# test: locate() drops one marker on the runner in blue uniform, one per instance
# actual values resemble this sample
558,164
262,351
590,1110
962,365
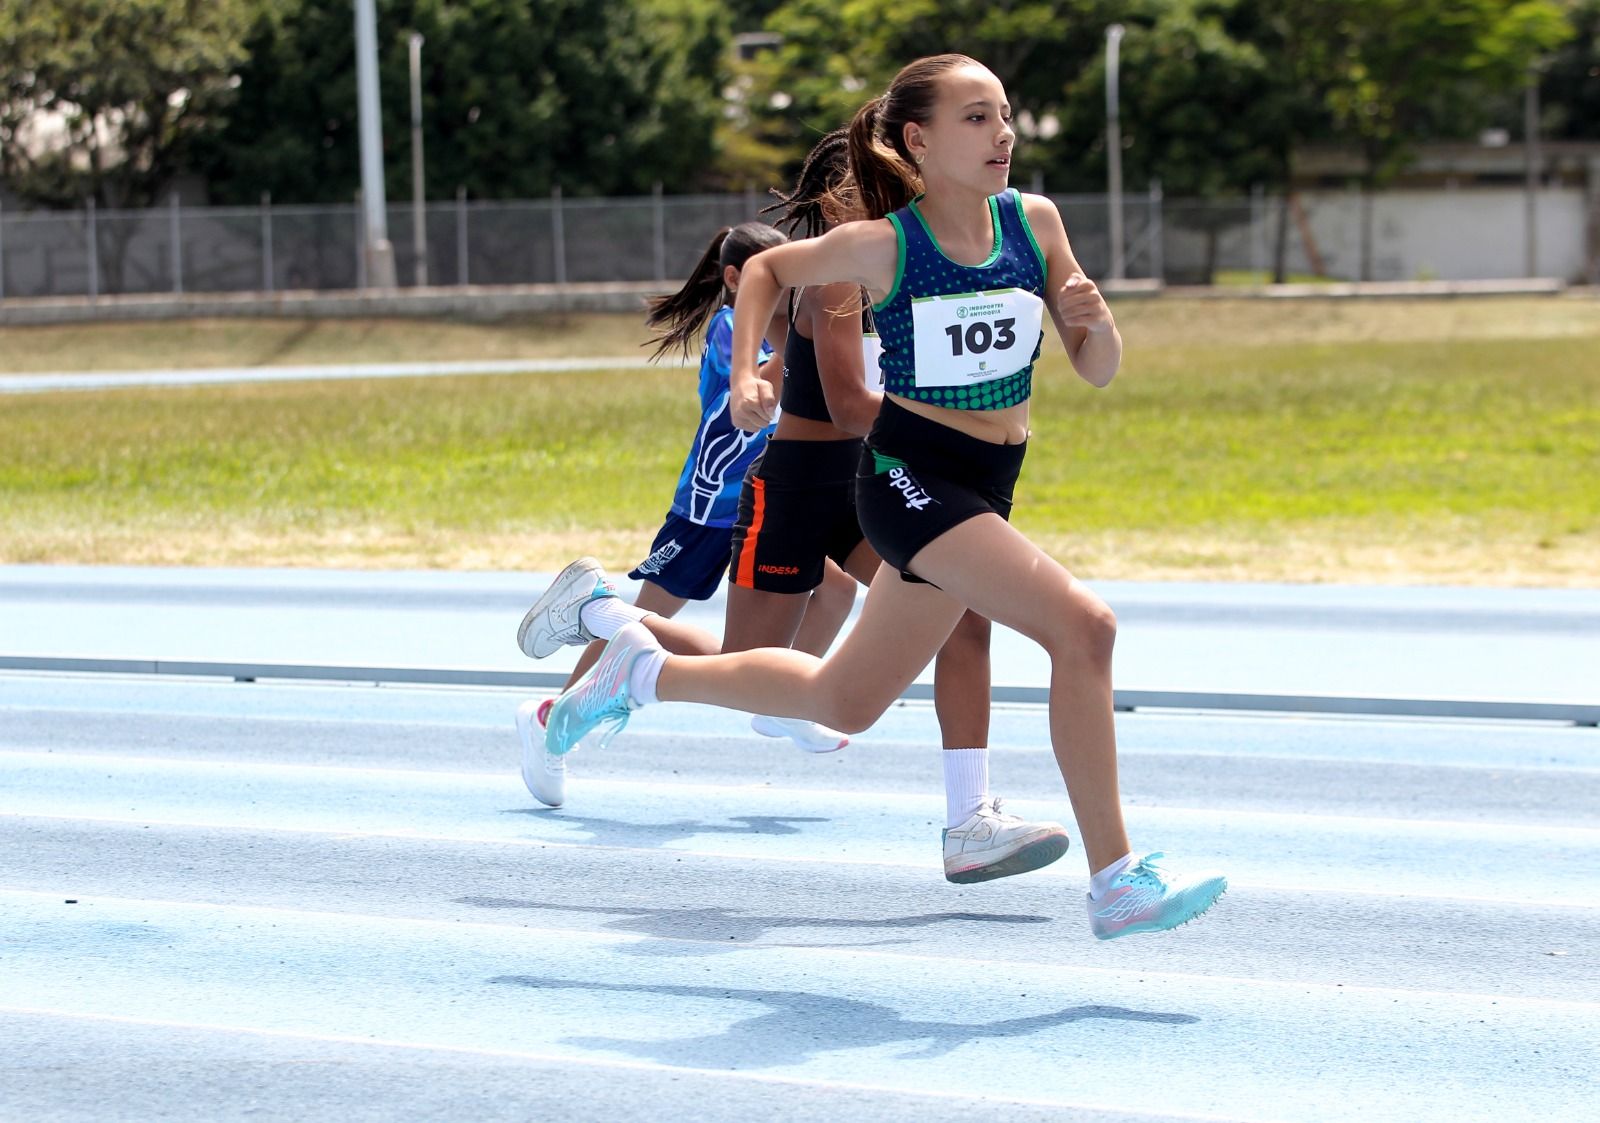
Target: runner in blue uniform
689,557
961,276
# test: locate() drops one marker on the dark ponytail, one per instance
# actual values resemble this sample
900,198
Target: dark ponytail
684,313
823,194
884,168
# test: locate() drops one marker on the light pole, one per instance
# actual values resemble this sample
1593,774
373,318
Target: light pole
1114,150
1530,153
379,253
419,220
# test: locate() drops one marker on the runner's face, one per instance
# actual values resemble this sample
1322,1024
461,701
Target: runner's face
969,140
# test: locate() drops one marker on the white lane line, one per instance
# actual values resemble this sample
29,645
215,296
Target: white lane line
1579,836
567,1060
341,834
827,953
45,381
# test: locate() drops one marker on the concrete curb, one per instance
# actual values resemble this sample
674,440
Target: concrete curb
1574,713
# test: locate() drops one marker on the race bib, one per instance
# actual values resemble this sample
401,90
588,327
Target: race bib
974,337
871,352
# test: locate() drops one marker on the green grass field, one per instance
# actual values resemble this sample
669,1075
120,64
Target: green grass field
1412,441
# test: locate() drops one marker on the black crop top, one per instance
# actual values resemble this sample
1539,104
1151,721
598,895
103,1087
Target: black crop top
802,382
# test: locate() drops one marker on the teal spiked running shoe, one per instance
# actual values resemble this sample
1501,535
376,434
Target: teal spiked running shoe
602,699
555,620
1146,897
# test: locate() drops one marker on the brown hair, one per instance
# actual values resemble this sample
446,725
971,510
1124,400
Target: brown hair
885,172
685,312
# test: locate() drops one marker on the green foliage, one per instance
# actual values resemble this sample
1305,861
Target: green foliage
517,98
835,55
1201,109
1570,90
130,83
1405,63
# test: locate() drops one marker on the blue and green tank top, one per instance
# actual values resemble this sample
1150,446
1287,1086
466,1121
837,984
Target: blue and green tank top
964,336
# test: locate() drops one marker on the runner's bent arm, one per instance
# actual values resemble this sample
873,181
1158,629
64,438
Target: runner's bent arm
862,253
1076,304
841,363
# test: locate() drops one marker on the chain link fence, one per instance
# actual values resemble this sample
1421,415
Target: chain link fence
268,248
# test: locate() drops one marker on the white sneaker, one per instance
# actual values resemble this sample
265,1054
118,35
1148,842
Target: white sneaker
544,772
991,844
810,736
555,620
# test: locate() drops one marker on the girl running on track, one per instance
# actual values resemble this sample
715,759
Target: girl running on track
797,511
689,556
960,277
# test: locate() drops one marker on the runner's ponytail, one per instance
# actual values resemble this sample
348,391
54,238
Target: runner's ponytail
684,313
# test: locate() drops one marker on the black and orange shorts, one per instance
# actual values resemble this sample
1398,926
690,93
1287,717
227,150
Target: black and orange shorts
796,511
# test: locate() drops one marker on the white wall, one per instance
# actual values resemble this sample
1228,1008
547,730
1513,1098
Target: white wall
1447,235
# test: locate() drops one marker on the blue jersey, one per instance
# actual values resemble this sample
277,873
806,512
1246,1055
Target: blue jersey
708,487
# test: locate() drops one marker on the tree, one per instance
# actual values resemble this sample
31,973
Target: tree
1570,87
104,98
837,54
518,97
1202,113
1393,73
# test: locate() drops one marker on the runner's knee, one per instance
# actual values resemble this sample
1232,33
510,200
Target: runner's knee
854,713
1086,629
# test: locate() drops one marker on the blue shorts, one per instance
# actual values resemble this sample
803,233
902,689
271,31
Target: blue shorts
686,559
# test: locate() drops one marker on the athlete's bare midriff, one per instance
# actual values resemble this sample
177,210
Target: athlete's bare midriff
1007,426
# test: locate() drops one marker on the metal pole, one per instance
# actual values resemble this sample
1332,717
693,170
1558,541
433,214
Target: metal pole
660,239
177,247
361,245
1114,150
94,255
380,266
2,251
558,235
1531,159
1158,261
266,241
461,236
419,222
1258,232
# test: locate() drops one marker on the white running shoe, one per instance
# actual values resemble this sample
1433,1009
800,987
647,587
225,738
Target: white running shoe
810,736
556,618
991,844
544,772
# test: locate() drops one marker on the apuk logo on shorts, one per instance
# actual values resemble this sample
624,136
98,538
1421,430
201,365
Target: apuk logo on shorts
916,497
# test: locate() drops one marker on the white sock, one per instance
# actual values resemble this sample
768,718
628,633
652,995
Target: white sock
643,675
966,783
603,616
1100,882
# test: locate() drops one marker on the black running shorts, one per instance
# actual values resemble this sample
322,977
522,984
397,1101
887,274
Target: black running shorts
797,510
917,479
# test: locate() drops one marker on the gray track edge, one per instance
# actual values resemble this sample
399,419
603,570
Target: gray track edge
1574,713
